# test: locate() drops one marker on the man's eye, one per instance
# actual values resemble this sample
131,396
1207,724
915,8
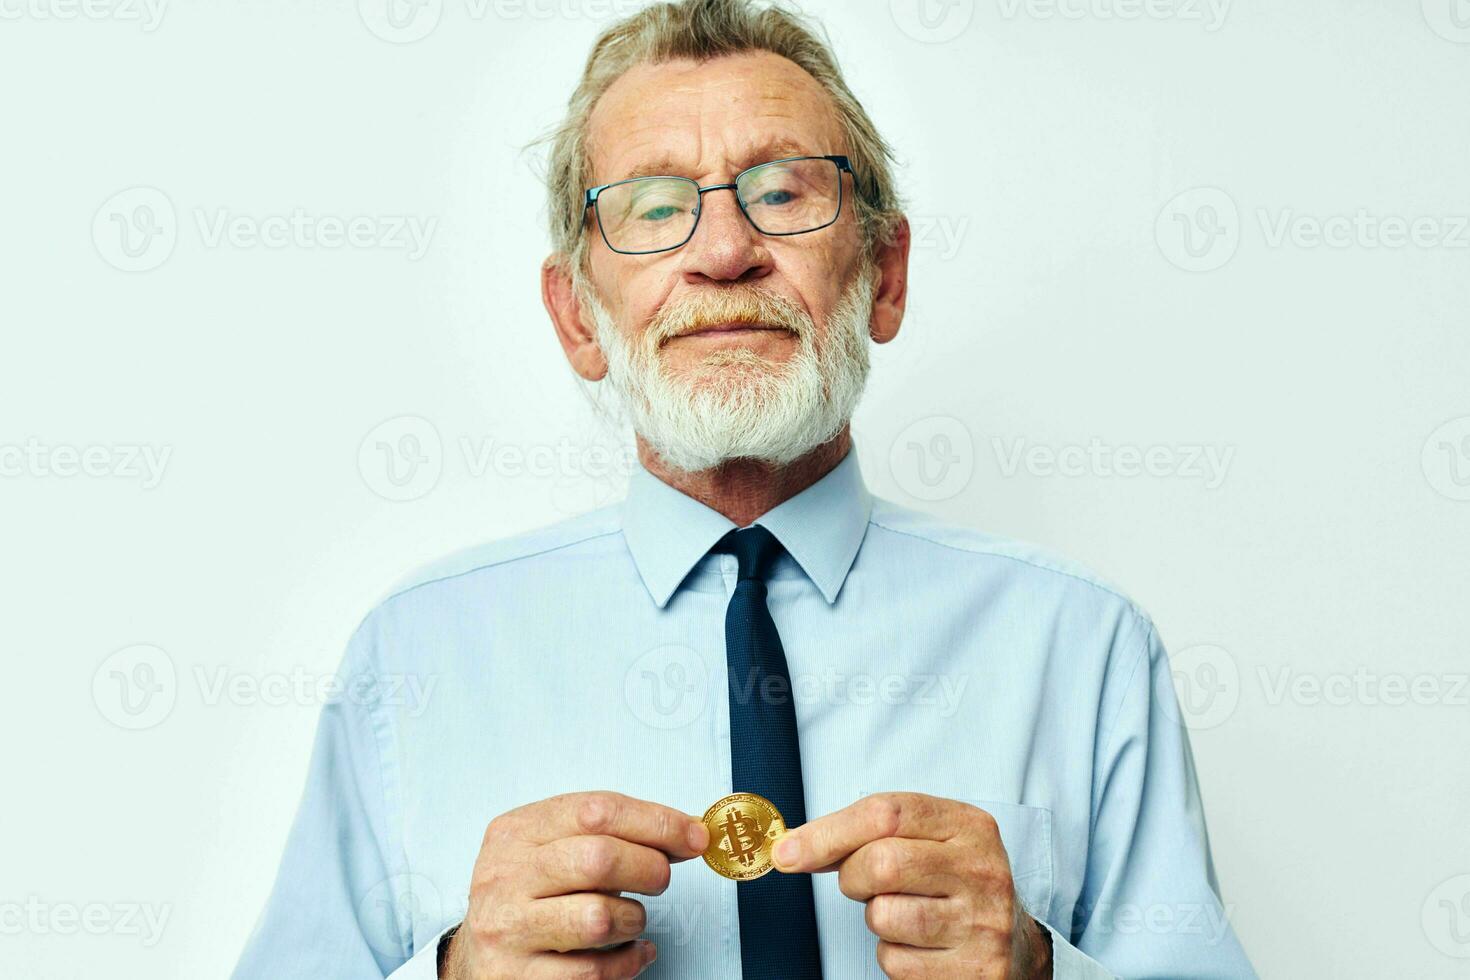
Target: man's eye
662,213
776,198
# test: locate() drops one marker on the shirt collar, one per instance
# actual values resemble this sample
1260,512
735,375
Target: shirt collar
821,528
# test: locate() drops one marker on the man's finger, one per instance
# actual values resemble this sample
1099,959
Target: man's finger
821,844
902,960
675,833
627,960
588,921
598,863
902,866
913,920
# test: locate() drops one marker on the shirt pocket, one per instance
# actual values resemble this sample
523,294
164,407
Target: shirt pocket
1025,832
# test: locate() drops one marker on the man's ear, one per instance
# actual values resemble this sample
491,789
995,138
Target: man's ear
573,324
892,258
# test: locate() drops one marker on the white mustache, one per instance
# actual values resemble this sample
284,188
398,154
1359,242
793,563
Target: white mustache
698,311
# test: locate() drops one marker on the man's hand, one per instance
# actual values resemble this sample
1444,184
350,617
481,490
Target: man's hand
936,881
544,896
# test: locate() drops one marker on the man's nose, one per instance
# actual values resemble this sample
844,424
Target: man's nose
726,247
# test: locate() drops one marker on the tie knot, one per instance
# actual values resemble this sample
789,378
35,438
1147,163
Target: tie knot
754,548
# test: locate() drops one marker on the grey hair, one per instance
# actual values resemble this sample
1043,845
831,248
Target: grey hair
702,30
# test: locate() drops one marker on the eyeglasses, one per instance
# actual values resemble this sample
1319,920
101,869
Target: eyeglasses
791,196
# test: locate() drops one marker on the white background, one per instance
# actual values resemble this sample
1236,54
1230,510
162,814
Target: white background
1055,303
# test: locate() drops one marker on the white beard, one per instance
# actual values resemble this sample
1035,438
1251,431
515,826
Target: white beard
736,404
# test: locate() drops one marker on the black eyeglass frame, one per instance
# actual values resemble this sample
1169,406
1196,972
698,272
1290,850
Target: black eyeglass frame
592,193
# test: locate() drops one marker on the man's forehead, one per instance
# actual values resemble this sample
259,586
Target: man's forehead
686,118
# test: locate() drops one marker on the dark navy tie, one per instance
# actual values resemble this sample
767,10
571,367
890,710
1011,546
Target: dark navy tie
778,920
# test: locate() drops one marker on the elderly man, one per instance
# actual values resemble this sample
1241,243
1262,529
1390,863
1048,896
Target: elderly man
975,745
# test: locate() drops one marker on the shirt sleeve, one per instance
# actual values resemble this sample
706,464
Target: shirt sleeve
424,965
343,903
1150,905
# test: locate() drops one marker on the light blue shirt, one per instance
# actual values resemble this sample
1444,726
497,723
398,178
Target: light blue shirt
590,655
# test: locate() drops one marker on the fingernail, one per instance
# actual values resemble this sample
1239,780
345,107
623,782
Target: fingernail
650,951
786,851
698,836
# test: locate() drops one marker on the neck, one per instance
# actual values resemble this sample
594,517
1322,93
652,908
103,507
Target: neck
744,489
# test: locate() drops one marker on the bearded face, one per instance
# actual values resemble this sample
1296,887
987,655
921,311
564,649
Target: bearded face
741,341
725,399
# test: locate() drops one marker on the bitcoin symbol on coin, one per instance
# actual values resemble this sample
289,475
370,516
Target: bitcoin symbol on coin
740,837
742,827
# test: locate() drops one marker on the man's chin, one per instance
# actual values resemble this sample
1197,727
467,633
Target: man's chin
684,368
726,374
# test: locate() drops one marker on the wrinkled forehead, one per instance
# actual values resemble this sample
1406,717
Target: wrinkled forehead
697,119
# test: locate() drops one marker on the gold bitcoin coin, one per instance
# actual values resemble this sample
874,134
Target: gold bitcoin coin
742,827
